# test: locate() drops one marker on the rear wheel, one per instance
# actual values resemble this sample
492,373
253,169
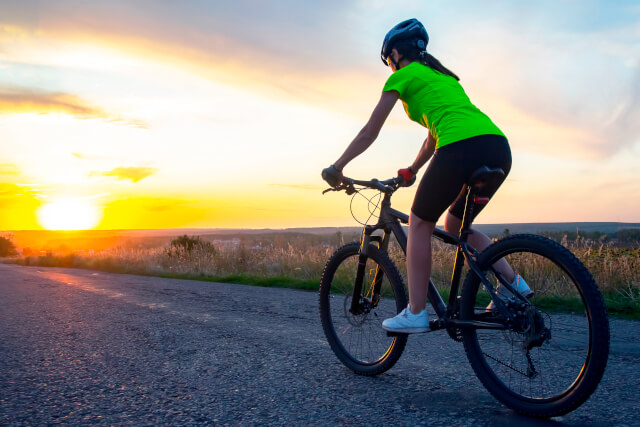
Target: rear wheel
553,355
358,339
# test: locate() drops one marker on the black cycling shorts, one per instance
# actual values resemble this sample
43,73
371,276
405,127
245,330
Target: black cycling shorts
443,183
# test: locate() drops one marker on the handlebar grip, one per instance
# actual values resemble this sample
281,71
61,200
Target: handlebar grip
409,183
332,176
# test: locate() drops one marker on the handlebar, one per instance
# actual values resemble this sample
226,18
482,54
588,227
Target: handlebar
388,186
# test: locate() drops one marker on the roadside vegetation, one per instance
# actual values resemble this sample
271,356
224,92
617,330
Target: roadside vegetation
297,261
7,248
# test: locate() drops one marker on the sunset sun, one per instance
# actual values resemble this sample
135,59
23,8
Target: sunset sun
69,214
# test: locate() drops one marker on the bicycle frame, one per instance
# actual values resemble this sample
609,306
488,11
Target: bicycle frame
390,221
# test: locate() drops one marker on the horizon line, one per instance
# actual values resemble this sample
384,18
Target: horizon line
307,227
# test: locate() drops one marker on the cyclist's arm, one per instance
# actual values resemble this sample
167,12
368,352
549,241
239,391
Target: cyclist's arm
370,131
425,153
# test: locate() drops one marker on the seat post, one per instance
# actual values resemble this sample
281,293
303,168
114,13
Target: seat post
459,260
467,215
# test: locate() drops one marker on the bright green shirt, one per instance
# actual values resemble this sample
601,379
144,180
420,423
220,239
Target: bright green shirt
438,102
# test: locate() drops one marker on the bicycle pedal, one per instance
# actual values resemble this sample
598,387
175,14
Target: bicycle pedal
435,324
397,334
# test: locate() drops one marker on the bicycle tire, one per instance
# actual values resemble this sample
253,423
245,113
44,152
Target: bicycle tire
341,327
578,343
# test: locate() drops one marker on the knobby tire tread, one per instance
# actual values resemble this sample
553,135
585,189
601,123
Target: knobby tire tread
395,279
596,309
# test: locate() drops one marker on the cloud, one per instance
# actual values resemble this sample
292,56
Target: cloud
8,190
290,48
18,100
11,190
135,174
286,30
9,169
297,187
572,87
568,66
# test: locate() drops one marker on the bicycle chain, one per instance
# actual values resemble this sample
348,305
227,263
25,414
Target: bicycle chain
509,366
532,373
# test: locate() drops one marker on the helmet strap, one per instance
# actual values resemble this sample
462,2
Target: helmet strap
395,63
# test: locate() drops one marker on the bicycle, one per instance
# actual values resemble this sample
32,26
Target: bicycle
532,358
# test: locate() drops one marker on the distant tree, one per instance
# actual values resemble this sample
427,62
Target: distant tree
7,248
190,243
185,242
506,232
339,238
629,235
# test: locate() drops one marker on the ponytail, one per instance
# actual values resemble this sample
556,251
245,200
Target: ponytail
412,53
433,63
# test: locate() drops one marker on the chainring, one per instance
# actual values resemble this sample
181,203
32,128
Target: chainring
455,333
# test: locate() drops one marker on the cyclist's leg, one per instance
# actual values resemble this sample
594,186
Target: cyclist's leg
485,150
419,261
479,241
438,188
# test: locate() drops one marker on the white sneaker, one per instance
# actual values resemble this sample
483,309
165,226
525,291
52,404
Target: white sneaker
407,323
519,285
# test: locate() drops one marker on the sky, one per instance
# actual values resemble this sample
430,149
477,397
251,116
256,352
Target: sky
162,114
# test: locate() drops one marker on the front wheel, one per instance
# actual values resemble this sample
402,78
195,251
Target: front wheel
553,353
357,338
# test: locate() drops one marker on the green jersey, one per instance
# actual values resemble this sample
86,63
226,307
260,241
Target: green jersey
438,102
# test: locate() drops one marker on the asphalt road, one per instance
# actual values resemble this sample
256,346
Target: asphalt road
81,347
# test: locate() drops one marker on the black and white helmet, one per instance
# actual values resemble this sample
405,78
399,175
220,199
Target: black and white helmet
411,29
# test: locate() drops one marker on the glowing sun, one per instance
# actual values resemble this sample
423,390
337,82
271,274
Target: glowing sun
69,214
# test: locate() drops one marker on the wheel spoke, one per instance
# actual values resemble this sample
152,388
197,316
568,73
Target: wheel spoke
358,339
542,358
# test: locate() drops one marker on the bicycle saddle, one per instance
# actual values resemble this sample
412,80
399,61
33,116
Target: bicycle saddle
484,176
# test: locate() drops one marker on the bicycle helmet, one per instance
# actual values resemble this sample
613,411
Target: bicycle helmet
409,29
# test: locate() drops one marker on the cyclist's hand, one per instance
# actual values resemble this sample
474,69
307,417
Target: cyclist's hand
332,175
408,178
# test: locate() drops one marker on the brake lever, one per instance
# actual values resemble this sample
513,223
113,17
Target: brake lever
344,186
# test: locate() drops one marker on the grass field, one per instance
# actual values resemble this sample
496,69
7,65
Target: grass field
297,261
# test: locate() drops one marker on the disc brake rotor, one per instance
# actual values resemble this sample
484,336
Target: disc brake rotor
356,319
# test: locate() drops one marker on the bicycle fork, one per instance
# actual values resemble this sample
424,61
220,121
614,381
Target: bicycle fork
357,306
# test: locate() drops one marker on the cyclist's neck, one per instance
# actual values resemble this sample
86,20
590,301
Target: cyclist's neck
403,63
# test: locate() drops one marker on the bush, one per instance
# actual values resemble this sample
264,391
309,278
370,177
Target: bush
629,235
188,244
7,248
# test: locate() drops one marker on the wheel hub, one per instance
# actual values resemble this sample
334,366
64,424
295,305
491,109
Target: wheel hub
362,312
533,327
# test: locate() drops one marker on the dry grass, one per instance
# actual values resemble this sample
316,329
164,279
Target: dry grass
616,270
199,261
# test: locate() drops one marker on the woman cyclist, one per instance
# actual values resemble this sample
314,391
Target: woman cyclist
460,139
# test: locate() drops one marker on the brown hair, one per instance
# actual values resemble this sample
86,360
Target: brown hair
410,52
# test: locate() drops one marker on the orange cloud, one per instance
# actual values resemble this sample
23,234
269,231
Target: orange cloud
135,174
8,190
28,101
9,169
298,186
18,204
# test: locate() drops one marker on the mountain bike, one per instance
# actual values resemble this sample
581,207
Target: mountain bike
542,356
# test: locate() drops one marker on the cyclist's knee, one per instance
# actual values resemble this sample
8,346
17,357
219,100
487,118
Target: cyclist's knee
418,224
